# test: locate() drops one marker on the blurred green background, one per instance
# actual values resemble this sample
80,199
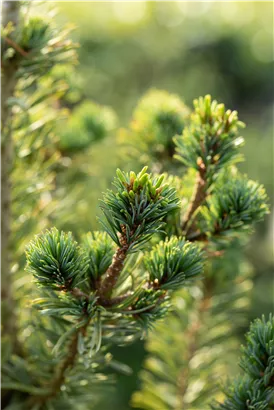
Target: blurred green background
191,49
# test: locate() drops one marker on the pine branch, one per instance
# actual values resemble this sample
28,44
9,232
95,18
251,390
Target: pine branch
11,12
72,275
16,47
132,216
77,293
157,118
209,143
88,123
211,139
199,195
234,207
22,37
255,389
53,389
94,297
56,261
199,330
114,271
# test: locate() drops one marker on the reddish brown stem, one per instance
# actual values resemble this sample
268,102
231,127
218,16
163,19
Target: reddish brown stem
113,271
77,293
198,197
197,236
16,47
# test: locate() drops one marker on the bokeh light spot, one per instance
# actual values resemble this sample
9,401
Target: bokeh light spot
129,13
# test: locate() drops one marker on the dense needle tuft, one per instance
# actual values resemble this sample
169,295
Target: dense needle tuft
254,390
234,207
212,139
173,262
56,260
136,210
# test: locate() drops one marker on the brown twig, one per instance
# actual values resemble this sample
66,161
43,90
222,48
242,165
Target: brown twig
197,236
17,47
198,197
77,293
113,272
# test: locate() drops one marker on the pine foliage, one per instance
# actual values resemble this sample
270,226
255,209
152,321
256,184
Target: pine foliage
31,46
195,333
34,47
212,139
88,123
255,388
157,118
173,262
100,249
235,205
55,260
85,307
218,213
114,286
137,210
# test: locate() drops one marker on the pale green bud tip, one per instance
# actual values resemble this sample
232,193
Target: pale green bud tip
221,109
241,124
160,180
132,175
143,180
195,103
120,175
142,172
208,99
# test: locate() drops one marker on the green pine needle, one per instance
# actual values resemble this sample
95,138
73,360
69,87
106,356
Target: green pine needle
234,207
100,250
212,138
137,209
173,263
56,260
254,390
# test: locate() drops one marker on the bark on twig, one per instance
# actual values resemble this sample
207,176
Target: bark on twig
199,196
113,271
16,47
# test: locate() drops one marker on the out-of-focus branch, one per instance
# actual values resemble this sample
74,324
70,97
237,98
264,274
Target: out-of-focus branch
9,70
